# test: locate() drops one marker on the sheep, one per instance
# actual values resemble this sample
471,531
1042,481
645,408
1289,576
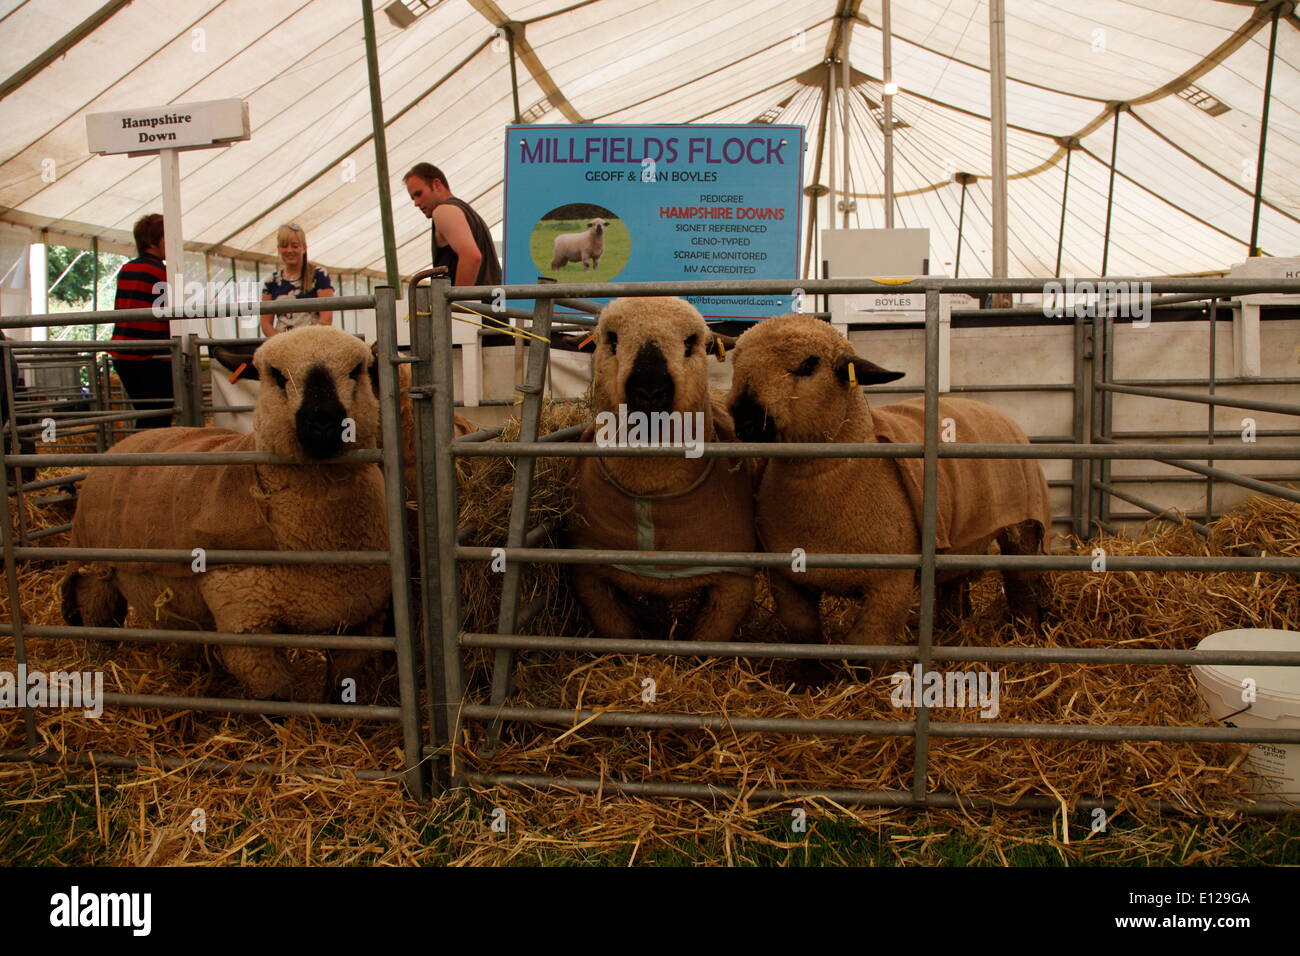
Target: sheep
581,247
651,357
320,401
792,383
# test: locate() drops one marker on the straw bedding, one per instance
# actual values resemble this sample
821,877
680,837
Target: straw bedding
302,818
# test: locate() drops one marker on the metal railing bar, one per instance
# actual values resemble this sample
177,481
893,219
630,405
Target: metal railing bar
212,557
975,287
340,303
1222,433
160,635
918,389
235,705
1176,479
85,419
48,532
1281,408
542,531
46,500
984,730
941,800
564,434
92,459
892,652
51,482
944,562
1069,310
1172,382
1134,452
1169,514
97,758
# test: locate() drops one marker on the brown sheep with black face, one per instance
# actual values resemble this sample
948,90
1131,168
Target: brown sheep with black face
319,401
796,380
651,357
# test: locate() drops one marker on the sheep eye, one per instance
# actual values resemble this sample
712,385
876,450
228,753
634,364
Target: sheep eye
691,342
808,366
611,339
279,378
356,372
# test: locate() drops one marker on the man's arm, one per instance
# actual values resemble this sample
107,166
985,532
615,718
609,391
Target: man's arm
453,225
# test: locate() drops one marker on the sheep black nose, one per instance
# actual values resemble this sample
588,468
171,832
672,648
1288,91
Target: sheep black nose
650,387
753,423
319,420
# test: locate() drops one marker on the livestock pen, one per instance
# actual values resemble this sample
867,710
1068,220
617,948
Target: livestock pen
1092,450
429,746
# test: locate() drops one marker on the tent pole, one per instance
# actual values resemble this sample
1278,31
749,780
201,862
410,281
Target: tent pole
965,179
1110,191
94,273
832,116
848,204
886,39
514,75
1065,191
1263,136
998,116
381,146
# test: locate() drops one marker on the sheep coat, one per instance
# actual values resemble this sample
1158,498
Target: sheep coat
977,496
717,507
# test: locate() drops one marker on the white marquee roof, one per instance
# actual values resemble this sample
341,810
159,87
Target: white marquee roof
1183,191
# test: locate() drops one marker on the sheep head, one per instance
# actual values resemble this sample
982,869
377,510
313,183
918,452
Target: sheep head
597,226
320,390
651,355
792,381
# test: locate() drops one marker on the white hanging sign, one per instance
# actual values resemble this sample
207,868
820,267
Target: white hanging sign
178,126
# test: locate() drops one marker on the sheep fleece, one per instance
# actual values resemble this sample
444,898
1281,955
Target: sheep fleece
978,497
222,507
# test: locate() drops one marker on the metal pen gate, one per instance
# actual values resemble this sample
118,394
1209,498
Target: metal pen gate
441,638
188,409
1090,488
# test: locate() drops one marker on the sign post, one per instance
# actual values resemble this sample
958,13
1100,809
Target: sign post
167,131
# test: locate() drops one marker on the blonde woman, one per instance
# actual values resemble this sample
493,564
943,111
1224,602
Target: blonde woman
288,281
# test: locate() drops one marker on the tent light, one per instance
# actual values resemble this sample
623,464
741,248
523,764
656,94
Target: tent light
1203,100
403,13
891,89
536,111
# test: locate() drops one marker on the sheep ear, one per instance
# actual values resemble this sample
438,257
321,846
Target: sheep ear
232,359
374,368
866,373
720,345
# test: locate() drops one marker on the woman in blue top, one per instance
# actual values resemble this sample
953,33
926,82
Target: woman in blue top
288,281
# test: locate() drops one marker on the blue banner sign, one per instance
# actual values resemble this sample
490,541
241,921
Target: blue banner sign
656,204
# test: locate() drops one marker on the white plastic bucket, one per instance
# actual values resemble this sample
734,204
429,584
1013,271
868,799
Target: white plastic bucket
1276,704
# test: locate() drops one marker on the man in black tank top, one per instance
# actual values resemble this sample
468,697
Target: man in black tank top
461,240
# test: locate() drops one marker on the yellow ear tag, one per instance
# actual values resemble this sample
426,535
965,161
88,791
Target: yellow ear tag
722,350
853,376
